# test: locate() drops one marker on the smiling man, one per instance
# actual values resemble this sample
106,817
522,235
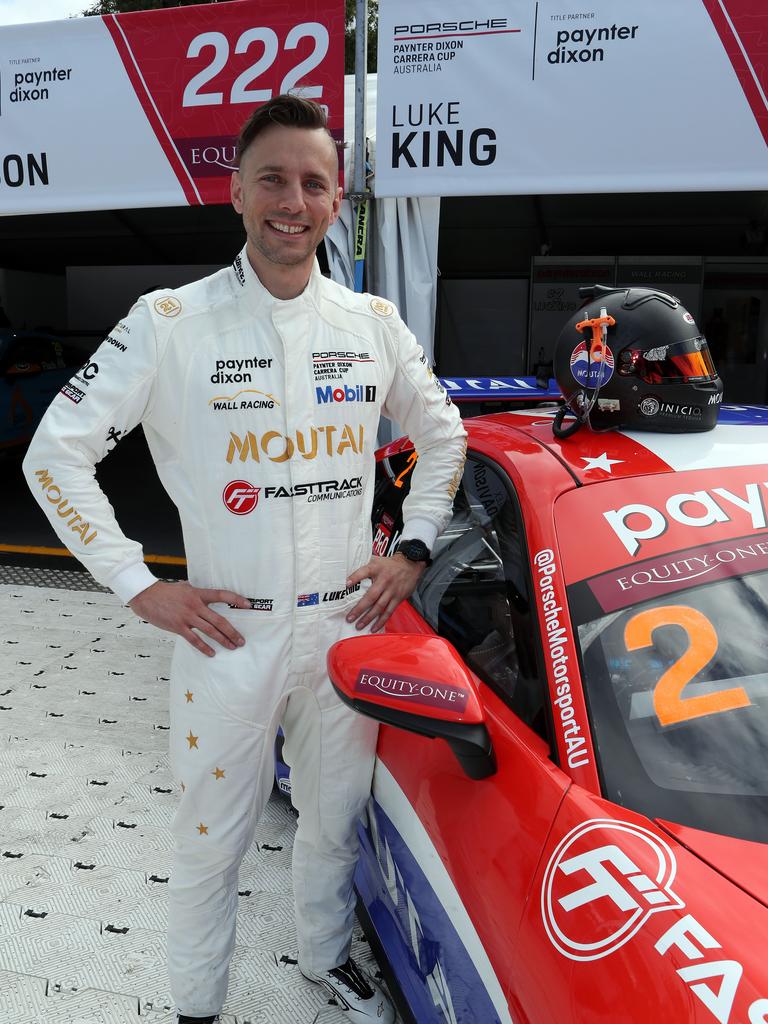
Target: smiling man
286,189
273,475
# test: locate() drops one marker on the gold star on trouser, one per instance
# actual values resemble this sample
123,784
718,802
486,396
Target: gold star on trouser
218,772
202,829
188,695
192,740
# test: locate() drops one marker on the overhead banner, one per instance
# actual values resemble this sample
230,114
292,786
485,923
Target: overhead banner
143,109
519,96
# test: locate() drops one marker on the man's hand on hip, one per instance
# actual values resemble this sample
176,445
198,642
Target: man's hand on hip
394,580
181,608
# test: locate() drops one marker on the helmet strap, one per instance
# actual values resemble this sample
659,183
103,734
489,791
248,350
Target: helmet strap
557,423
596,352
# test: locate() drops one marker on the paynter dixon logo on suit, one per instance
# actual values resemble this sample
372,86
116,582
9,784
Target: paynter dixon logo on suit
331,440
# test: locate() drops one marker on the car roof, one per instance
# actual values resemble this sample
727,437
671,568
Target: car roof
739,439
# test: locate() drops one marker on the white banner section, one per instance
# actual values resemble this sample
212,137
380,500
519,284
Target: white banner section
518,96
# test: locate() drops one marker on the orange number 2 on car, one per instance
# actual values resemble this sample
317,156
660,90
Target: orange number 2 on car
668,703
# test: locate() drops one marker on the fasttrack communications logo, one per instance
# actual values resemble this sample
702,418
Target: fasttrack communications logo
240,497
602,883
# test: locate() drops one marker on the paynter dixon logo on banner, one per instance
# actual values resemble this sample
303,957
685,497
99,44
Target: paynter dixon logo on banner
34,86
26,83
584,41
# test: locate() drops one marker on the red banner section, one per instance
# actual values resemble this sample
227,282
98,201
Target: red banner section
743,29
199,72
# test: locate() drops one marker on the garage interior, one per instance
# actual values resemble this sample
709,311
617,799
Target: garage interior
487,246
508,267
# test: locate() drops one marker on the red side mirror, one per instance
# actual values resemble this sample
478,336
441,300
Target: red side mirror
418,683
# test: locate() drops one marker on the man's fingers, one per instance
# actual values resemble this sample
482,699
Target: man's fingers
372,610
363,573
364,604
218,628
223,597
196,642
230,597
382,619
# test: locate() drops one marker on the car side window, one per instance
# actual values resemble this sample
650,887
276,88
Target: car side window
477,592
393,482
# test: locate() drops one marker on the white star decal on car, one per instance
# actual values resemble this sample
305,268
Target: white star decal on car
600,462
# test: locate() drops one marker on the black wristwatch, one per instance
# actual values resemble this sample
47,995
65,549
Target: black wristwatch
414,551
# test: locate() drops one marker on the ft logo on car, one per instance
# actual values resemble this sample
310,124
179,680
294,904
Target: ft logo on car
601,885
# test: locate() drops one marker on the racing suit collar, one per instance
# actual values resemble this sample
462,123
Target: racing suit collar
257,295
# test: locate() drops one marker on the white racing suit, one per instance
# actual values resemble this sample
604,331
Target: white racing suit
261,416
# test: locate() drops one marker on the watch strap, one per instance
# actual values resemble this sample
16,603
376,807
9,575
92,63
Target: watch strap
414,550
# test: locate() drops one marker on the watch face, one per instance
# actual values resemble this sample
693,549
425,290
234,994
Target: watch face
415,550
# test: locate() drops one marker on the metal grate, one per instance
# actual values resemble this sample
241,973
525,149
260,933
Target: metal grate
86,796
60,579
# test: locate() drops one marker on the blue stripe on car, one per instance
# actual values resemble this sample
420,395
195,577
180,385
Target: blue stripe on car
436,974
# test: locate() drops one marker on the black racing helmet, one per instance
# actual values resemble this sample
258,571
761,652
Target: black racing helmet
633,358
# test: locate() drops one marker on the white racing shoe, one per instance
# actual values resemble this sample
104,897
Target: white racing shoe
357,994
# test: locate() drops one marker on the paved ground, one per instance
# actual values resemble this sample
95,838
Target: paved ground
85,800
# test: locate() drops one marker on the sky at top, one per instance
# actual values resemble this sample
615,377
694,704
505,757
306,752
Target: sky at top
20,12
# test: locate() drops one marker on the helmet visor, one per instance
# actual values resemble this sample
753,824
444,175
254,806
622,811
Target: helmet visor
688,361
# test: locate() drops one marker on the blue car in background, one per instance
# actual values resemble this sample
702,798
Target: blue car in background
33,367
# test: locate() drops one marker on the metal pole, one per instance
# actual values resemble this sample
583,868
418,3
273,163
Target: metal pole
361,71
359,193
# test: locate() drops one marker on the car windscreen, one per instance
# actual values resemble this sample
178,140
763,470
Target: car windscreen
674,657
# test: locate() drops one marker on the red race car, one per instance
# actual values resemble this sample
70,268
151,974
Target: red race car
570,807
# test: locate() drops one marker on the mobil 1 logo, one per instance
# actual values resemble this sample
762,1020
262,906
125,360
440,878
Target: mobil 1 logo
328,394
